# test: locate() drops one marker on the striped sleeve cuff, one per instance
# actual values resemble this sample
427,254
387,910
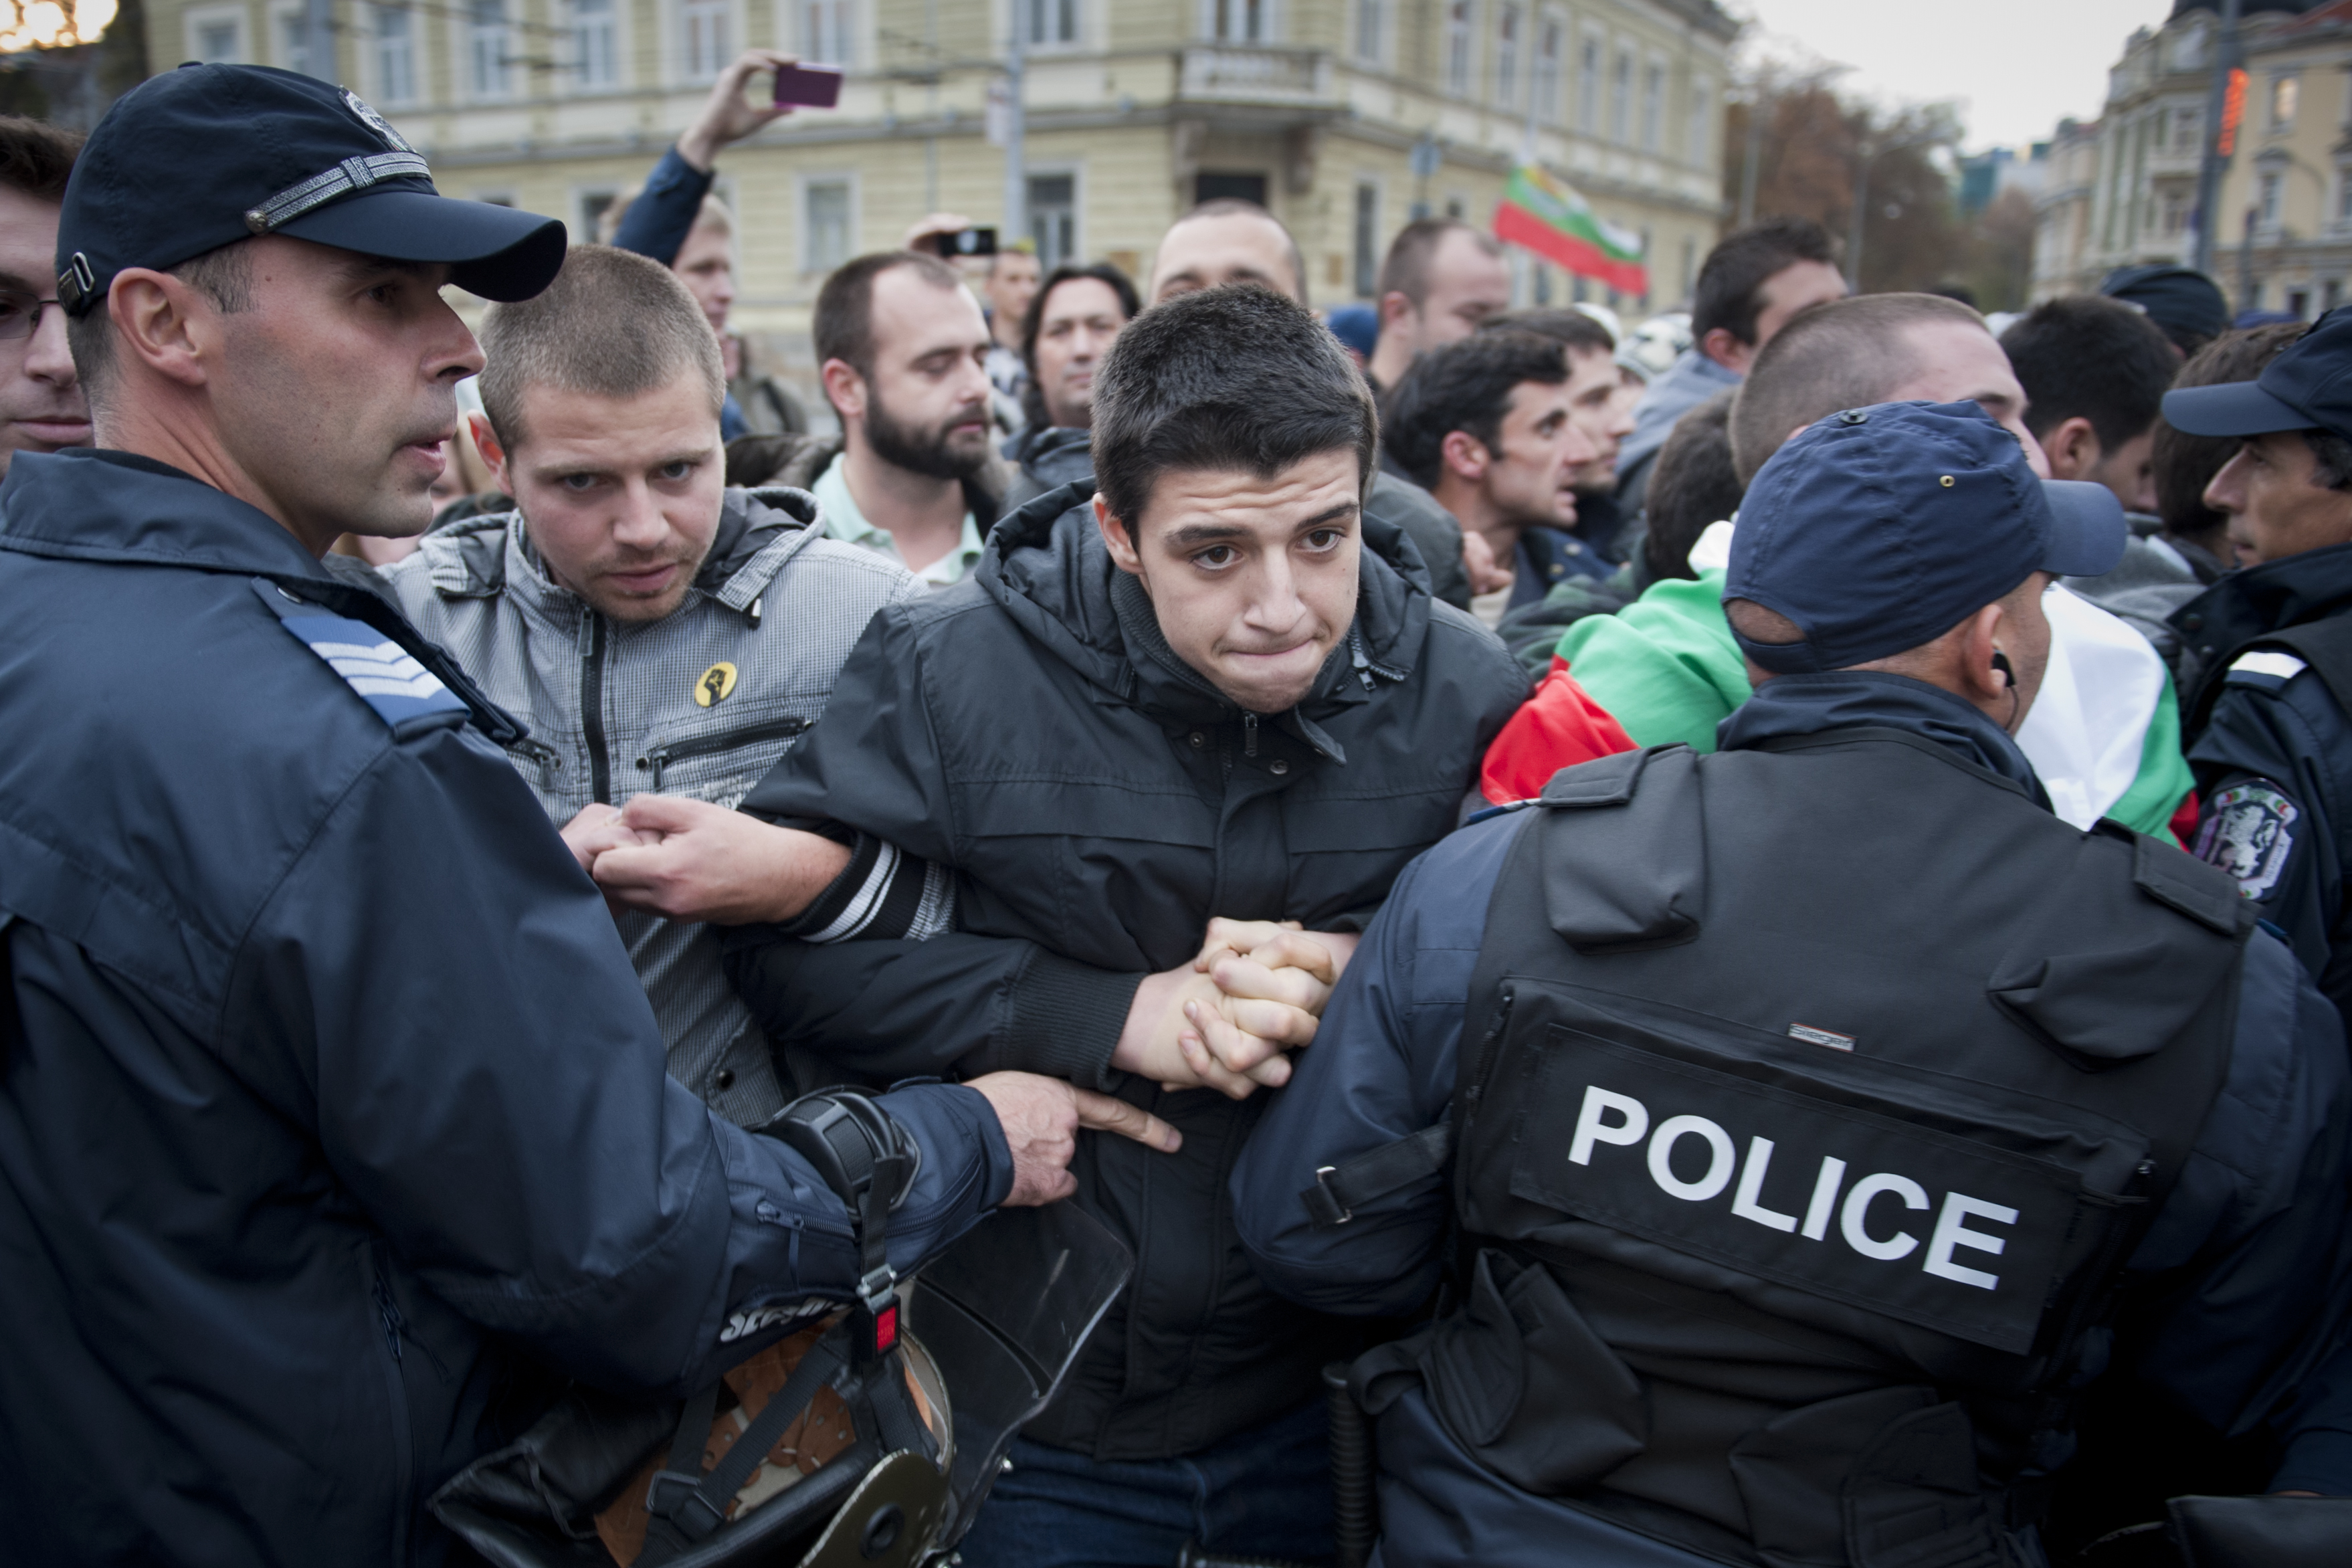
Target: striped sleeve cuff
883,893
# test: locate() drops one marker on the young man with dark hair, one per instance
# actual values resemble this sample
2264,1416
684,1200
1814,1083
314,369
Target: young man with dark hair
1210,688
2271,679
1497,427
1439,279
2106,741
1754,282
41,405
1073,317
2094,371
665,638
902,352
1607,421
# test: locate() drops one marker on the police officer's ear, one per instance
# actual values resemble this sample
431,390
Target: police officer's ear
2008,671
163,324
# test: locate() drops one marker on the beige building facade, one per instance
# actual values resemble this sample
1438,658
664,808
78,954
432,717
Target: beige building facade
1345,117
2282,228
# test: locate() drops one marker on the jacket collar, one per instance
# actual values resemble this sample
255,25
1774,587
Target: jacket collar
2271,598
94,505
1788,706
1047,566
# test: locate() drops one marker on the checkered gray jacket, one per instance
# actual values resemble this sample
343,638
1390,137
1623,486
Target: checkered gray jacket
699,703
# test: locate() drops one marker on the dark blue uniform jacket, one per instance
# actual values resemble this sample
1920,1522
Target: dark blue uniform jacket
2252,1234
337,1132
2274,760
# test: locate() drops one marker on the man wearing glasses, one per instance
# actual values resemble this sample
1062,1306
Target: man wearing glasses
41,407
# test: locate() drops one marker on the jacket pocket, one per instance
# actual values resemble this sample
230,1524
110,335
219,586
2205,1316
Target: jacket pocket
1522,1382
388,1325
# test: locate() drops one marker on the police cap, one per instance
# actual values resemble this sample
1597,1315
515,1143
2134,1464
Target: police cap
2308,388
1878,530
197,158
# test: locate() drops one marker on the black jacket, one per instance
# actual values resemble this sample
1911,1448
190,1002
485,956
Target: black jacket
1099,803
1045,457
336,1133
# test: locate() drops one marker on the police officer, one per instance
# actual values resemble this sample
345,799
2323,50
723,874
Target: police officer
333,1131
2266,714
1810,1099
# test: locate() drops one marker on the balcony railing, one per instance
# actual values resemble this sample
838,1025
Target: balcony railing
1241,74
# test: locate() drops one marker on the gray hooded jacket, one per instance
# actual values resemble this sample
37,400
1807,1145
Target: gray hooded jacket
700,703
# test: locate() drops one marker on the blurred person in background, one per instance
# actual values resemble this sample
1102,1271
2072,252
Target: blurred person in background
2094,371
1753,283
1358,328
675,220
913,475
1600,524
769,406
1073,317
41,405
2186,306
1233,241
1009,288
1440,278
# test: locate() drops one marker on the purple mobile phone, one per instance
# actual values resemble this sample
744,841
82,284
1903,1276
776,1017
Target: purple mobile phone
813,86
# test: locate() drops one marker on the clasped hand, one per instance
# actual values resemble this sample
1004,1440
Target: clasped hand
690,860
1224,1021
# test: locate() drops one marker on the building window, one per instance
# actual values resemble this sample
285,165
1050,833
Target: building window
1368,238
1542,284
1370,23
1654,109
1050,22
1690,266
824,224
2344,194
824,32
1702,123
588,217
2267,201
2173,212
2331,294
1621,101
705,49
2284,92
1545,80
595,44
1239,21
2187,125
1457,46
1507,55
487,47
1054,218
396,53
294,40
216,37
1588,87
2298,301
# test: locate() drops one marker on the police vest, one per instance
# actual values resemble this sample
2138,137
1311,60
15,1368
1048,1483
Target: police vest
1812,1099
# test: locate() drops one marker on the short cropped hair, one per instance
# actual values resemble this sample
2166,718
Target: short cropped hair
2085,356
1730,292
1235,378
1405,270
1033,396
1693,483
2182,465
1235,207
222,275
844,324
37,158
613,324
1848,354
1574,329
1465,386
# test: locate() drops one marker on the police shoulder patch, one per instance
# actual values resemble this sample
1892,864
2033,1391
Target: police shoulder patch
384,673
2248,830
2267,668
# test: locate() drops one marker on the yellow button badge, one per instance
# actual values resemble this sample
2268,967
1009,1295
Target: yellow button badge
715,684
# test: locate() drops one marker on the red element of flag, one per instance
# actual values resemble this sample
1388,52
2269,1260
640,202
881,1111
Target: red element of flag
1517,226
1557,728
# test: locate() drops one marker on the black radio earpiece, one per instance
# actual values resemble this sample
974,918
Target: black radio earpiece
2000,663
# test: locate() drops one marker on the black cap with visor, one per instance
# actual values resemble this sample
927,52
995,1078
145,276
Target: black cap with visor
2307,387
209,154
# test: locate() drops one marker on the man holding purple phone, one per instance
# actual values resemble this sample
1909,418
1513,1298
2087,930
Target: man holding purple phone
677,221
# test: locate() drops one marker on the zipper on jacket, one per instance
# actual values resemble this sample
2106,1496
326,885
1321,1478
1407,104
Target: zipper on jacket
592,712
546,756
1465,1116
1249,733
660,757
387,1313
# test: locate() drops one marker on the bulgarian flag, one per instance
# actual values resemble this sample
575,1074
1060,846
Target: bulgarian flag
1552,219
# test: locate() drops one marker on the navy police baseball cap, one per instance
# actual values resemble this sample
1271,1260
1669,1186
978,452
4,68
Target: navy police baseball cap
2307,387
1880,529
197,158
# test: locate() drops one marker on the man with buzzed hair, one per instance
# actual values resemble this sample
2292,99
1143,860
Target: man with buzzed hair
665,638
1440,279
41,407
1227,241
2105,737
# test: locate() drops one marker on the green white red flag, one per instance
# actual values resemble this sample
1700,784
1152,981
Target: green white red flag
1547,217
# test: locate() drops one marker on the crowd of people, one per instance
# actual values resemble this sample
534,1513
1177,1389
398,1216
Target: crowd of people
1741,952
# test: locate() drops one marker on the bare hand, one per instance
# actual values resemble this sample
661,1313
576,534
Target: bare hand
1041,1118
726,117
597,829
702,862
936,223
1487,574
1184,1033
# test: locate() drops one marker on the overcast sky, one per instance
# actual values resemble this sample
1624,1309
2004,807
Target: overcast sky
2016,67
